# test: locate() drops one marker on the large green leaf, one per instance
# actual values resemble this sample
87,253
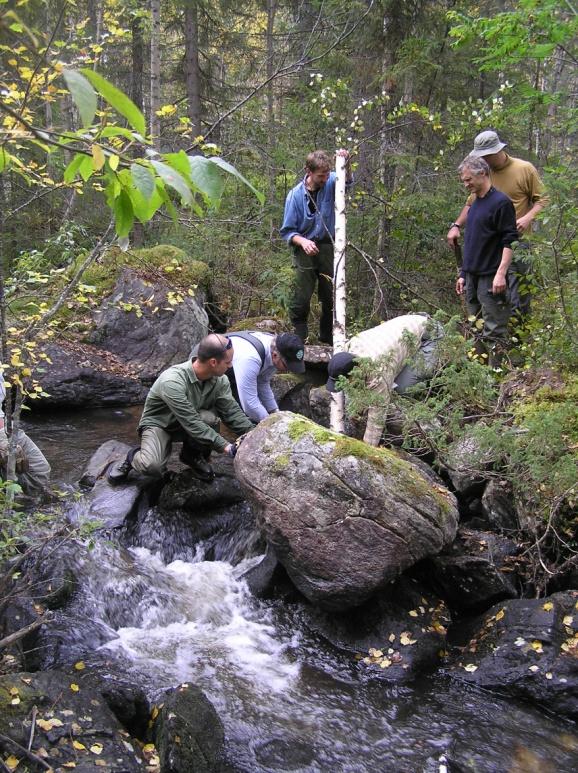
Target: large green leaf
123,214
72,169
82,94
207,177
231,170
144,208
174,179
115,98
85,168
143,179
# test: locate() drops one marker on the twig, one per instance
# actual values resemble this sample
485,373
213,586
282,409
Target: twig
31,756
7,641
33,726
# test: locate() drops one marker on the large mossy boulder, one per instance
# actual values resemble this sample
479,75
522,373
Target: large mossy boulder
344,518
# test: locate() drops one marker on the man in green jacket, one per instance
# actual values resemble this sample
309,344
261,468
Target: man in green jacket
185,404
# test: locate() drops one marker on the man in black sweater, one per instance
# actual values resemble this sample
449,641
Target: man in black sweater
490,232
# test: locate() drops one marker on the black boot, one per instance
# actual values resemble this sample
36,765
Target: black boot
118,471
197,461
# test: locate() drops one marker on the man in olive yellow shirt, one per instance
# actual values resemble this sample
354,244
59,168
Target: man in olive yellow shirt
520,181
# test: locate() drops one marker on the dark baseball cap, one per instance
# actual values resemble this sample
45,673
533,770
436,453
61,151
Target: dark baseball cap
292,349
341,364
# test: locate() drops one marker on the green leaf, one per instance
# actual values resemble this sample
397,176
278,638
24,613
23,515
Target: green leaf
207,178
72,168
231,170
143,179
123,214
5,159
82,94
115,98
174,179
143,208
85,168
180,162
117,131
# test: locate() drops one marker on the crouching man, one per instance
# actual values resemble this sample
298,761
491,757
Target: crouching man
389,346
186,404
32,469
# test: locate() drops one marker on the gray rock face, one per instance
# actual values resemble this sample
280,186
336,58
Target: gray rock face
475,571
157,339
527,648
343,518
73,726
82,376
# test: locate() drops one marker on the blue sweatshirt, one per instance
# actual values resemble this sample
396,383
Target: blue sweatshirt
300,221
490,226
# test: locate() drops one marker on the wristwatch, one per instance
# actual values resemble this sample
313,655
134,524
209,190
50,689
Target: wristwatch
455,225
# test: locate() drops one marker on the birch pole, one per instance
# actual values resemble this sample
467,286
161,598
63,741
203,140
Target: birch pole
339,287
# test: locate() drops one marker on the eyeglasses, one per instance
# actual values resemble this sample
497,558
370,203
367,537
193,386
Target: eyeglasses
227,346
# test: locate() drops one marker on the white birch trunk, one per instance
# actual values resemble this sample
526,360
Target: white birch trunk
339,289
155,96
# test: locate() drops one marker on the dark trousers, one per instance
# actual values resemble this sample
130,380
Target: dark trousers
311,270
520,280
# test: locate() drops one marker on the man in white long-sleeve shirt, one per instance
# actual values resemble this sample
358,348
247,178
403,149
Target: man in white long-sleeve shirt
389,345
258,356
32,469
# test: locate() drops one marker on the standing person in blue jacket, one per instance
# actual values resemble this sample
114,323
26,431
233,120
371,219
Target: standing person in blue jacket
309,228
490,232
258,356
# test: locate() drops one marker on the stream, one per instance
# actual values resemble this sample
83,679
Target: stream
288,702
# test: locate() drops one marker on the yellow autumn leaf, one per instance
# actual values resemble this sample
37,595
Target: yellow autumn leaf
13,691
97,157
154,712
548,675
26,372
80,665
69,764
537,646
15,701
113,162
471,668
568,620
385,663
74,687
96,748
548,606
78,745
412,613
392,637
500,614
12,762
48,724
405,638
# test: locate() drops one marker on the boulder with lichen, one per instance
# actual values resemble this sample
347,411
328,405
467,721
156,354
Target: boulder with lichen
344,518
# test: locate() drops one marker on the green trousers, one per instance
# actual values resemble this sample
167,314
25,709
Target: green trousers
311,270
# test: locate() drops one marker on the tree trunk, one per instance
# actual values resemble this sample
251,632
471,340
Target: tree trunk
192,69
155,101
339,288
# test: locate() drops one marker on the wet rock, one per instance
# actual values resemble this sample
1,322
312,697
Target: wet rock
111,450
475,571
343,518
527,648
81,376
268,578
73,727
157,339
188,733
284,753
186,492
499,506
396,635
